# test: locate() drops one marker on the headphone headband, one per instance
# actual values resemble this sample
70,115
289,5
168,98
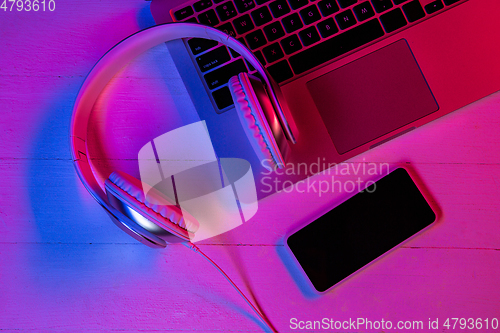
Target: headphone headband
115,59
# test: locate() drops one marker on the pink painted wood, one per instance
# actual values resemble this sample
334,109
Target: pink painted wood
65,267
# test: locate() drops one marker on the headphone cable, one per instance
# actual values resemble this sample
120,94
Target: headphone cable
259,314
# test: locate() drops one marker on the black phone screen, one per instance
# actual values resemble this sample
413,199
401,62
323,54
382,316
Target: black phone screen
361,229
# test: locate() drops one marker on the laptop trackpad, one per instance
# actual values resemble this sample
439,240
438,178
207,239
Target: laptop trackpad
372,96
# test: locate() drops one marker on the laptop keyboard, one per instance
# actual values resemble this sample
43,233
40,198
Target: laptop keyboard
291,37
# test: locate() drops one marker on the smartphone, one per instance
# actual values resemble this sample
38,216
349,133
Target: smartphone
361,229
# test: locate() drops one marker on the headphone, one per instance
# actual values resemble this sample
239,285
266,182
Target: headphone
259,103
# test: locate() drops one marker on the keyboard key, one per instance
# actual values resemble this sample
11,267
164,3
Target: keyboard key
255,39
218,1
261,16
327,27
309,36
450,2
434,6
292,23
198,45
208,18
260,2
222,98
213,58
279,8
220,76
413,11
336,46
398,2
260,56
235,54
183,13
244,5
364,11
273,52
280,71
345,19
191,19
202,4
227,28
291,44
310,14
274,31
243,24
382,5
347,3
393,20
328,7
226,11
296,4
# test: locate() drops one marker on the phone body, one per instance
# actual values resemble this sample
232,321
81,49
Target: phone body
361,229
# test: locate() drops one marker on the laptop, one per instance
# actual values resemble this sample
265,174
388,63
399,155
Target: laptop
355,73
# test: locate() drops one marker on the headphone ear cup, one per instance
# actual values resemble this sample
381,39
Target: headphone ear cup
152,211
254,110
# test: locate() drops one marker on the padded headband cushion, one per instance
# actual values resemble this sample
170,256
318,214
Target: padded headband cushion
156,206
253,119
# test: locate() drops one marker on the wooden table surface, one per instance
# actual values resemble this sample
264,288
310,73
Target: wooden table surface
65,267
